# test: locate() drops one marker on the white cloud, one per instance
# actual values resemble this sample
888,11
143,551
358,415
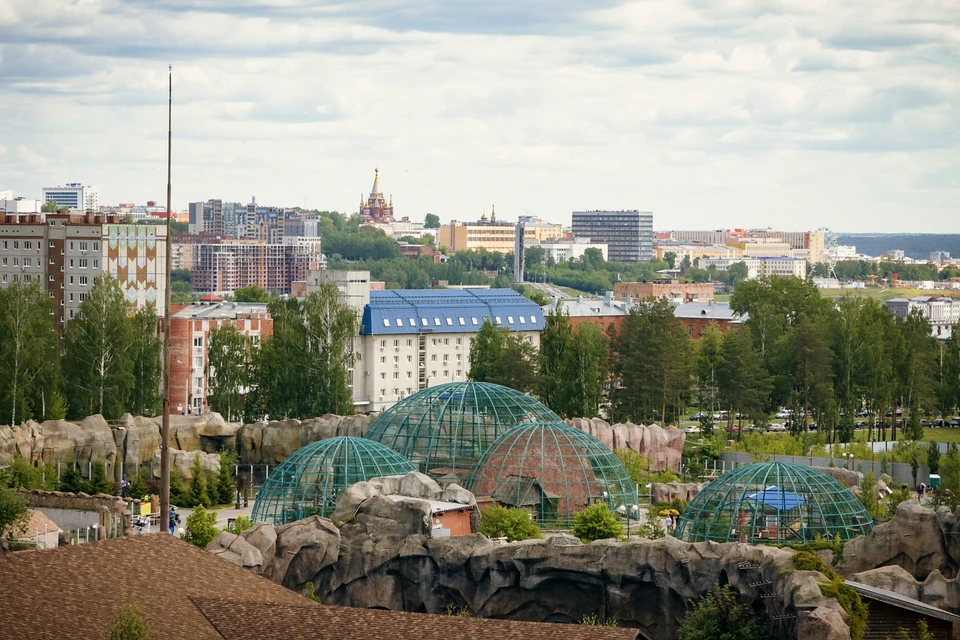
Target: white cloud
710,114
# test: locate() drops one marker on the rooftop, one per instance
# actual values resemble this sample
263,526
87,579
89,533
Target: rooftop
222,310
448,311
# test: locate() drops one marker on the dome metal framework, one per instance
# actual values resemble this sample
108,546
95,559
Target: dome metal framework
308,482
773,503
554,471
444,430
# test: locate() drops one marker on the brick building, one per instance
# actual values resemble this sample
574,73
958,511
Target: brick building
223,265
190,328
672,290
66,252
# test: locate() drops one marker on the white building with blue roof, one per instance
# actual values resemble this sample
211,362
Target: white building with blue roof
412,339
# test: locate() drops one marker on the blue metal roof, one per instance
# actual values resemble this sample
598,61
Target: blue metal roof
448,311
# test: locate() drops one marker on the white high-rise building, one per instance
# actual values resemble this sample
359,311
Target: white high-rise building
77,197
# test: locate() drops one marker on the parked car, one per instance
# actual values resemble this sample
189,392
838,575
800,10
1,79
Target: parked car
812,426
699,415
955,422
692,430
784,413
776,428
939,422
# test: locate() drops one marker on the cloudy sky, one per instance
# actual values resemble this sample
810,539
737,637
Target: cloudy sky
794,114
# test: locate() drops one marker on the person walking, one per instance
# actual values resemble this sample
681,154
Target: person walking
174,518
920,491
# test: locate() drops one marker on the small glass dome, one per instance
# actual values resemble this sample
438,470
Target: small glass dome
554,471
309,481
445,429
773,503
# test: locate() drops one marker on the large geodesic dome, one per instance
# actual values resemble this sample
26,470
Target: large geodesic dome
309,481
773,503
554,471
444,430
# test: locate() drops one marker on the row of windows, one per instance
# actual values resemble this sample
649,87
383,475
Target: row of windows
433,358
460,320
436,341
433,374
28,244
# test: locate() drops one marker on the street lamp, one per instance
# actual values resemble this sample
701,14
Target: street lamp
850,456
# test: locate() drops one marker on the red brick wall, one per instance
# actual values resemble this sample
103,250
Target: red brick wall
458,522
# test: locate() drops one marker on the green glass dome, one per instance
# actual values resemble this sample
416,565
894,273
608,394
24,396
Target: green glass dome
773,503
554,471
309,481
444,430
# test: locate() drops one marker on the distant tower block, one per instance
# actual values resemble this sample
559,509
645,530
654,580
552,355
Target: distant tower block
376,208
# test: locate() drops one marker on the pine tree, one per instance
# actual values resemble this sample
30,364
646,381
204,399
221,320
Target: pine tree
145,352
99,483
226,490
198,484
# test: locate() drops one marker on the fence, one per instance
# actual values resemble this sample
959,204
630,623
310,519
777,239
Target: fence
901,472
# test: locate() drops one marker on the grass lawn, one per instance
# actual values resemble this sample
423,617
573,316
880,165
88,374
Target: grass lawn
942,435
883,293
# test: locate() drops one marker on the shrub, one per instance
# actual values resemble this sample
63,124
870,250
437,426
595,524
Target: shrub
868,495
129,625
652,529
14,516
99,483
198,495
597,522
72,481
719,615
241,524
834,587
593,621
226,489
201,527
513,524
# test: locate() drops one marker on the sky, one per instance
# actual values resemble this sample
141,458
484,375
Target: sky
797,114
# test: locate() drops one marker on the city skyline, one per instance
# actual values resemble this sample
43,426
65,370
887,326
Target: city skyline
747,115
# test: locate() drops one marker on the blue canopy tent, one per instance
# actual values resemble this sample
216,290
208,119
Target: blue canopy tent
777,498
770,526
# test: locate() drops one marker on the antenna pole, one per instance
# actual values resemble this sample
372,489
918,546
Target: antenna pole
165,420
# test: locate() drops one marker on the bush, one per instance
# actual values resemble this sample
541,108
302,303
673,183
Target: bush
593,621
201,527
834,587
99,483
513,524
13,513
129,625
597,522
241,524
719,615
72,481
226,489
198,495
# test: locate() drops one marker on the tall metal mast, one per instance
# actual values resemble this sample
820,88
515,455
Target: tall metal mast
165,426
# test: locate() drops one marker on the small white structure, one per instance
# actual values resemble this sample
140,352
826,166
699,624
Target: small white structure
42,530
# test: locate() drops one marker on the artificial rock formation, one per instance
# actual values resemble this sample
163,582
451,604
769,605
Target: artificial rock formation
664,447
182,462
272,442
382,555
669,491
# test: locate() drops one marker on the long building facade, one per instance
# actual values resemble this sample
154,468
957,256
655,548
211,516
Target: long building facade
414,339
66,252
627,234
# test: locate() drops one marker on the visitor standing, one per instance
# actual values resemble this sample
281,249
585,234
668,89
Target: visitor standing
920,491
174,519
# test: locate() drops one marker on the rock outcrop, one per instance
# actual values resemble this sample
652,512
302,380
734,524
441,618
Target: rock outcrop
271,442
669,491
382,556
846,477
182,461
664,447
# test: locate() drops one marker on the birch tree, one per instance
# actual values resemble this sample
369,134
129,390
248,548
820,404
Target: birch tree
29,352
97,359
146,364
228,370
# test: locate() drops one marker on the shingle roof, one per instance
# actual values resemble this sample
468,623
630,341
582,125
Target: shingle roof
448,311
76,591
277,621
184,592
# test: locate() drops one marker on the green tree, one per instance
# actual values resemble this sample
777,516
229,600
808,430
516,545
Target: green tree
50,206
199,496
431,221
597,522
709,358
14,515
868,495
918,376
228,370
813,374
654,362
30,353
201,527
736,273
671,259
533,257
485,352
129,625
742,381
146,364
513,524
933,457
501,358
72,481
99,483
948,373
226,490
253,293
719,615
97,363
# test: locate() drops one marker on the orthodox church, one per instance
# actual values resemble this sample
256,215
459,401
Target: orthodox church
376,208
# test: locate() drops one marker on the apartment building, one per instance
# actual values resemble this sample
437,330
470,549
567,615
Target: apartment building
223,265
940,311
672,290
190,328
694,252
627,234
563,250
66,252
414,339
759,267
495,236
76,197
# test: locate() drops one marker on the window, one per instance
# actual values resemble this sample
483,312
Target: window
71,279
96,246
409,375
433,358
96,264
71,297
462,322
409,358
533,319
396,359
4,262
51,279
601,326
71,263
50,262
496,319
510,319
198,362
83,281
459,357
459,340
198,383
16,261
690,329
71,246
197,403
446,341
399,323
4,244
424,322
409,343
198,341
523,320
16,244
27,277
446,358
383,359
386,323
83,297
27,244
396,374
383,343
396,343
84,246
413,323
50,245
383,375
458,373
71,314
383,392
433,374
449,322
434,341
446,373
436,322
474,321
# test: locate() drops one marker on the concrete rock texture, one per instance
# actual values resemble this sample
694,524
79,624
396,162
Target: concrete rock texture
271,442
382,556
664,447
668,491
